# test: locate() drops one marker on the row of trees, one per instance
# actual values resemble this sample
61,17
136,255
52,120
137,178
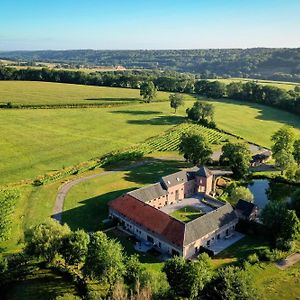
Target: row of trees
94,258
151,81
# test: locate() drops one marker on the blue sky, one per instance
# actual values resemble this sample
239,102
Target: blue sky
152,24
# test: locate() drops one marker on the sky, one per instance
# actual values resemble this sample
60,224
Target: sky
148,24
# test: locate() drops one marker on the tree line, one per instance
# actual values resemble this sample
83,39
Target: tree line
261,63
99,266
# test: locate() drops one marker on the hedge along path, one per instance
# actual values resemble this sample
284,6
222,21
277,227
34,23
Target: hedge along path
64,189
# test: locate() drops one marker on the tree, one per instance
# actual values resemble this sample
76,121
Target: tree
283,140
238,157
283,223
296,151
148,91
241,192
74,247
195,148
231,283
187,279
295,202
234,90
45,240
284,160
104,259
135,271
176,100
297,89
201,112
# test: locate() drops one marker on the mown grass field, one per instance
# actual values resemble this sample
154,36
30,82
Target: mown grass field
34,142
280,84
47,93
186,214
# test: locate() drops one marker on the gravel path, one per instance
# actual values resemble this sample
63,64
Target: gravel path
64,189
289,261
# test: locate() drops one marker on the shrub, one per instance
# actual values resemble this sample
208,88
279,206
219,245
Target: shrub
271,255
285,245
253,258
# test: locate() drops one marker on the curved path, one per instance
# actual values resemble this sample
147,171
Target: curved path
64,189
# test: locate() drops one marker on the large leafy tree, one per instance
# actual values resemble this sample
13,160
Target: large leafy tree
176,100
187,279
283,140
283,223
238,157
148,91
201,112
45,240
105,260
195,148
74,247
231,283
285,161
296,151
295,202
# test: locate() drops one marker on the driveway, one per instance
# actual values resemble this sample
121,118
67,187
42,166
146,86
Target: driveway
64,189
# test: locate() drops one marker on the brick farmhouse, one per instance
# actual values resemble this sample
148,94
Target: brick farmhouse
145,213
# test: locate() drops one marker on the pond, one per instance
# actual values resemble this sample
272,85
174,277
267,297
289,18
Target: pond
265,190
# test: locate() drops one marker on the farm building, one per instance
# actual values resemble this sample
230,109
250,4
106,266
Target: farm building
246,210
261,158
147,213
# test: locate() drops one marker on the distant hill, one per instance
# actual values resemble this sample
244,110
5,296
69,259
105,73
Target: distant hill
265,63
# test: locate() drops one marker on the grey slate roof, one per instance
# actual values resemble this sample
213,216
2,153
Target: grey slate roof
204,172
149,192
209,222
176,178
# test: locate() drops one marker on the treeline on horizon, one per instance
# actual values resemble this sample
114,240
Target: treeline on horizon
260,63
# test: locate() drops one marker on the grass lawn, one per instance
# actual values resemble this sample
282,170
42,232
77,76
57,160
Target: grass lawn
90,198
35,92
43,284
254,122
187,214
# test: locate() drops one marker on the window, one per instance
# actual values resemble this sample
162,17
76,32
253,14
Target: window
208,243
150,239
159,244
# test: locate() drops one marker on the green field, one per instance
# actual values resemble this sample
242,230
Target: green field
280,84
186,214
34,142
47,93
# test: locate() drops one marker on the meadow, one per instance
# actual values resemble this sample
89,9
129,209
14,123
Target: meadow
50,93
37,141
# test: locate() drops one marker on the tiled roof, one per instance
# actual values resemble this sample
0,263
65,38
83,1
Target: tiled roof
208,223
150,218
149,192
177,178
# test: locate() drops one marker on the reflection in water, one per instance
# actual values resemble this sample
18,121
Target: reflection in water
265,190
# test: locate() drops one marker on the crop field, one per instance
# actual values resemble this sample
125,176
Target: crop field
47,93
169,141
280,84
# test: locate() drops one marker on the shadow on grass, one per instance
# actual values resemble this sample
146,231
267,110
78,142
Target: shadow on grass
154,170
90,213
136,112
267,113
161,120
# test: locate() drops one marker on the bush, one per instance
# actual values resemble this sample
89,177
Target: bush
271,255
253,258
284,245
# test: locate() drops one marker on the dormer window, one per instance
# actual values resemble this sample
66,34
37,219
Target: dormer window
168,182
178,179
